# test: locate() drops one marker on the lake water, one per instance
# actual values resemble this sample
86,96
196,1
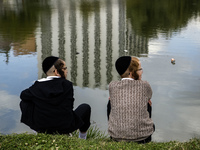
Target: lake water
90,35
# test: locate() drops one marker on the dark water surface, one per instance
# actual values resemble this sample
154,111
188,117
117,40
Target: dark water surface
90,35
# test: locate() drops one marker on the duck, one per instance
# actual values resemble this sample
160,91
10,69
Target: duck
172,60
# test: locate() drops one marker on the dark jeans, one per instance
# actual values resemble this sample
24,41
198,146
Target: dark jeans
149,109
84,112
27,113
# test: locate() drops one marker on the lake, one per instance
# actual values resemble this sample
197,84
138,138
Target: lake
90,35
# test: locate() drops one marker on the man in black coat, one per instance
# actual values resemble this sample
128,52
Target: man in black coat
47,106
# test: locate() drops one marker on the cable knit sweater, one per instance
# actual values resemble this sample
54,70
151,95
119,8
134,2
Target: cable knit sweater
129,118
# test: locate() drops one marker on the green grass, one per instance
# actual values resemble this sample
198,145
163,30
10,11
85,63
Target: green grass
96,140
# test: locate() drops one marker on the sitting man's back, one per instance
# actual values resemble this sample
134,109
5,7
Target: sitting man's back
47,106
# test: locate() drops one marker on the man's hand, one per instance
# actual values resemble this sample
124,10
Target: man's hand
150,103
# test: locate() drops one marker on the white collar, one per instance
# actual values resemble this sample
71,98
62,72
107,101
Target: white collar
48,78
127,79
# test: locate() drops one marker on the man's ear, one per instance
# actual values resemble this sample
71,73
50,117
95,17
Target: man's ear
56,72
130,75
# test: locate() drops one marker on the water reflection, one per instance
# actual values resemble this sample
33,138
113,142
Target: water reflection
122,27
46,34
90,43
73,46
85,10
97,32
18,21
148,18
64,31
61,36
90,35
8,110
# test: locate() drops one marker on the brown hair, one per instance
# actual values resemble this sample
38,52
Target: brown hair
59,66
133,67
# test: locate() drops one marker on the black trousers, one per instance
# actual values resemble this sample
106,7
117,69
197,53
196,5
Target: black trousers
149,109
84,112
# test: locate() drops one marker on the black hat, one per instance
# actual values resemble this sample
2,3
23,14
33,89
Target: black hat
122,64
48,62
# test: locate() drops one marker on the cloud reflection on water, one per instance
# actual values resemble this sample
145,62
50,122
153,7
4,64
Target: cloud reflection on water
10,114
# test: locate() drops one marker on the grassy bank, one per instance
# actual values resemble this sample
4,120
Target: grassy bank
95,140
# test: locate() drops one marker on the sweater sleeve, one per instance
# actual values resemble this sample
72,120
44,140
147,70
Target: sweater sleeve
149,90
69,93
72,96
26,95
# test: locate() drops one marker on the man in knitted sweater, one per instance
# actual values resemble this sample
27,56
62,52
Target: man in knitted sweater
129,107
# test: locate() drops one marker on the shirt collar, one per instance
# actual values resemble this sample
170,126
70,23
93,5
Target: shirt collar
127,79
48,78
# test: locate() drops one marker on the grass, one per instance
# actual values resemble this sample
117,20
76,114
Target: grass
96,140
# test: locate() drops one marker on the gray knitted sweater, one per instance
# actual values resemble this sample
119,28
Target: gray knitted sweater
129,118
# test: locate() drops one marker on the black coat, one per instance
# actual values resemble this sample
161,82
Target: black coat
48,107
